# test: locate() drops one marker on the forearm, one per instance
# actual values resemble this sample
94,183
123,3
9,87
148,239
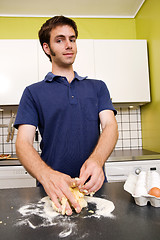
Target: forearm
56,184
30,159
106,143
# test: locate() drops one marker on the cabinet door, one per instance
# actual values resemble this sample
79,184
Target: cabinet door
44,64
123,66
18,69
84,63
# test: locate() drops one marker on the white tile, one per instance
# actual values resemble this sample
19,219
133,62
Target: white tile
134,134
1,139
120,135
125,126
5,131
120,126
133,118
125,118
7,148
1,149
126,143
133,126
134,142
14,148
126,135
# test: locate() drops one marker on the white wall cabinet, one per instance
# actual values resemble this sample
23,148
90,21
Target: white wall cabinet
18,68
44,64
123,66
84,64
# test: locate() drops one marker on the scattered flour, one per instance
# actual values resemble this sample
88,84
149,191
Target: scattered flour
103,207
41,214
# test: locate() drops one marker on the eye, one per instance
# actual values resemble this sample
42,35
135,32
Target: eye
72,40
59,40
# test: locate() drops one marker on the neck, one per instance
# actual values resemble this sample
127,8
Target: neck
65,72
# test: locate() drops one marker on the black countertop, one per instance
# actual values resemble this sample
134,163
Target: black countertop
133,155
128,220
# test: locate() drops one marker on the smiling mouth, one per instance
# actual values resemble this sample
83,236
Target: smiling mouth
68,54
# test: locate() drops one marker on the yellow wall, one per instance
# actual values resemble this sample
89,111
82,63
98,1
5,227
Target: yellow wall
27,28
148,27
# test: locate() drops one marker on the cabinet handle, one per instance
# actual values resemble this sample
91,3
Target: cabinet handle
137,171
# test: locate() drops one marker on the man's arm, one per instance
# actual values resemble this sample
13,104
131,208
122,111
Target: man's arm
56,184
93,166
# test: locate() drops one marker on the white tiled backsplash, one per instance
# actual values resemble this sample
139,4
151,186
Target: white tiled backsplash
129,125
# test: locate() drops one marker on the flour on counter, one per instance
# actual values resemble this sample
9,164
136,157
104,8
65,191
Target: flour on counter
103,207
41,214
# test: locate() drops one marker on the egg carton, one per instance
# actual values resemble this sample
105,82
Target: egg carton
139,185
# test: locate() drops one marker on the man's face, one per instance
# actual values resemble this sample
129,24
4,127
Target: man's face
63,48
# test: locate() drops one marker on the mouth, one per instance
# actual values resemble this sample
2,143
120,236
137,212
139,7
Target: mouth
68,54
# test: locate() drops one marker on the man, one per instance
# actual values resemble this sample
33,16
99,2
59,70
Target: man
67,109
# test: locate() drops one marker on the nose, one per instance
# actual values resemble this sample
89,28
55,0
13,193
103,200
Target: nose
68,44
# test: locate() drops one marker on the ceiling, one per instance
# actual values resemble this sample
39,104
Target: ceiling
71,8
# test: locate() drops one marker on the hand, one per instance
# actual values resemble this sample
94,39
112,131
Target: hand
91,168
57,185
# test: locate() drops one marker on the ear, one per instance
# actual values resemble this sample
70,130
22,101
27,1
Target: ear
46,48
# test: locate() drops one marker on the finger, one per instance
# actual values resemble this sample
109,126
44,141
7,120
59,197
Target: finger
74,182
56,202
72,200
84,175
65,207
78,181
95,183
95,187
57,197
68,209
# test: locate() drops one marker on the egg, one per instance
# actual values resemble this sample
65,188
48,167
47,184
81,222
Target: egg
155,192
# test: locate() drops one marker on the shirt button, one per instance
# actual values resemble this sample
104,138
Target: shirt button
72,96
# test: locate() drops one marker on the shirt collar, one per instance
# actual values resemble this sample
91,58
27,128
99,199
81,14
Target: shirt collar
50,77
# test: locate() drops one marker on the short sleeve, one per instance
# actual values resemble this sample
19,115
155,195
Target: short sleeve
27,111
104,100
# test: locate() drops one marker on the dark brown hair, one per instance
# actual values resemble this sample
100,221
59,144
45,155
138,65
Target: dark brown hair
44,32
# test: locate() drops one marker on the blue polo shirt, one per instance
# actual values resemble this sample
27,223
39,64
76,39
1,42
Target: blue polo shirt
67,115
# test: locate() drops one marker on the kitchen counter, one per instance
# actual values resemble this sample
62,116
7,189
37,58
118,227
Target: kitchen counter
11,161
128,221
8,162
133,155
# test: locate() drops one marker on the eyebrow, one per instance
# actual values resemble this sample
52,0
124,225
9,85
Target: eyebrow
63,36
